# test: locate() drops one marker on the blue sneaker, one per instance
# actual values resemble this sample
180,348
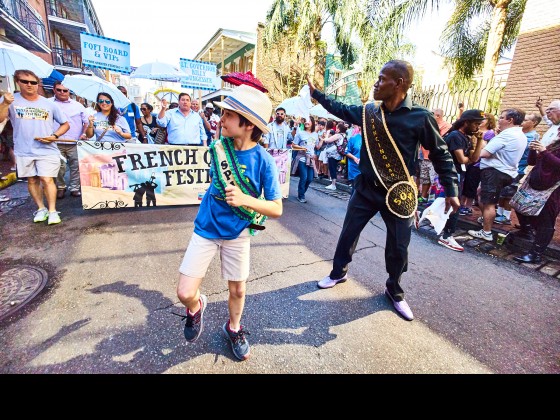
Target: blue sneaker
195,323
502,220
239,343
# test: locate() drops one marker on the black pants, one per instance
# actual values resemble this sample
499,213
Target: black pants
451,224
364,204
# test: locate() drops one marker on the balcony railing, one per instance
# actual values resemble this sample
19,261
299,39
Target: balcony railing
22,12
56,9
67,58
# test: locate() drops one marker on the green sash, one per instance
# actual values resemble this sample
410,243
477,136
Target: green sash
228,171
388,164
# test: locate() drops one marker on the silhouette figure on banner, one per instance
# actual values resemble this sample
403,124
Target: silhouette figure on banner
139,190
150,191
147,187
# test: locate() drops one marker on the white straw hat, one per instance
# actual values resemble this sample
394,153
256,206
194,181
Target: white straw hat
251,103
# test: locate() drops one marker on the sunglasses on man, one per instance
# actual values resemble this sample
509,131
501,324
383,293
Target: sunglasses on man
104,101
62,90
28,82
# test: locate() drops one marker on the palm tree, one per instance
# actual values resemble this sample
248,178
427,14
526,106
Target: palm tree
297,26
477,33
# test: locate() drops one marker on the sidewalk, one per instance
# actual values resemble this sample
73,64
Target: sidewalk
550,265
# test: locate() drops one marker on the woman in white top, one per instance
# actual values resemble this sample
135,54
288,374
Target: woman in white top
305,142
332,153
107,124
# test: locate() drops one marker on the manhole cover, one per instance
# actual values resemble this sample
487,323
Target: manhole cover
6,206
18,286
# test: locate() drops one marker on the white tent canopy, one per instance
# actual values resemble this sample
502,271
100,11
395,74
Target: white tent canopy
319,111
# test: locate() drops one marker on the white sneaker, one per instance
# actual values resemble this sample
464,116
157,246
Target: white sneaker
481,235
41,215
450,243
330,187
4,198
327,282
54,218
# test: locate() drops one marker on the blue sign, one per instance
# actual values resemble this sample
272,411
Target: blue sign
200,75
105,53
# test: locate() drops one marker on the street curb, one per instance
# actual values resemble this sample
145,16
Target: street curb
517,246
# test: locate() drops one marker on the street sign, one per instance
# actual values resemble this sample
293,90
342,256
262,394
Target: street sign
105,53
200,75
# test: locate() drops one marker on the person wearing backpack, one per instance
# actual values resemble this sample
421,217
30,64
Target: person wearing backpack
336,150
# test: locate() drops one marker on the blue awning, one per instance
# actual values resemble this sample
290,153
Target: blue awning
48,82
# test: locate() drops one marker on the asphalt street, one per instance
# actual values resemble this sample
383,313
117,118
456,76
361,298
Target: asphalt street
110,304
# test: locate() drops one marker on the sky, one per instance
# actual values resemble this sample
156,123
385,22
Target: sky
167,30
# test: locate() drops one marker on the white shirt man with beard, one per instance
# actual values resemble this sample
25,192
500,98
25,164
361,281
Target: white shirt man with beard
278,130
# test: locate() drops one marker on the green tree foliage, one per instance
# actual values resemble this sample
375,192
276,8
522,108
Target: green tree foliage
475,36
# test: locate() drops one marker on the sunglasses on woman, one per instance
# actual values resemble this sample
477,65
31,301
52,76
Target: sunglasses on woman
29,82
104,101
143,109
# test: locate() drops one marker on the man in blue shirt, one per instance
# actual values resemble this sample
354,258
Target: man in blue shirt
184,126
132,115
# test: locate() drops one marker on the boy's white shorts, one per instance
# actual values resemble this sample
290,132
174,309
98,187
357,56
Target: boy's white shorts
234,255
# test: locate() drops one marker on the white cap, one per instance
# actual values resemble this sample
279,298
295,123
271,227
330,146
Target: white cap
209,105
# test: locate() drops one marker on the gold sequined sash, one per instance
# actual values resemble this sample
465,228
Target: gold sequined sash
388,164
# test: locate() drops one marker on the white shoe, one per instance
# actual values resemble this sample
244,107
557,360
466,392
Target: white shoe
54,218
41,215
327,282
481,235
450,243
330,187
4,198
401,307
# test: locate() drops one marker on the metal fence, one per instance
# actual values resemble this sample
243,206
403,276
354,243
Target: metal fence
487,97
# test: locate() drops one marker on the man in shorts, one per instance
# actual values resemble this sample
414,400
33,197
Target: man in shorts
498,167
37,155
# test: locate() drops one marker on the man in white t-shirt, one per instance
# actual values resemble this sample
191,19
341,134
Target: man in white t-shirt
37,156
278,130
498,166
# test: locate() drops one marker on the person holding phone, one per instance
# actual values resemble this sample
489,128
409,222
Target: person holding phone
107,124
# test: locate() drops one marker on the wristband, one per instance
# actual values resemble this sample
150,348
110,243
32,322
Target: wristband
55,136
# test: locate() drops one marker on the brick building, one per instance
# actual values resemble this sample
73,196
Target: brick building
535,70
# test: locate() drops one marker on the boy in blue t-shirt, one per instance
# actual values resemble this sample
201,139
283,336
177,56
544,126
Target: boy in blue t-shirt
241,170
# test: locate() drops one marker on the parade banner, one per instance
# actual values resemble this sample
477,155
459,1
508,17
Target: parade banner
122,175
105,53
200,75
